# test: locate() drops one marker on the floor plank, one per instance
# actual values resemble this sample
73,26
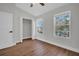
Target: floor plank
36,48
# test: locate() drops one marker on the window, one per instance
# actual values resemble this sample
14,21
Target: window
39,25
62,24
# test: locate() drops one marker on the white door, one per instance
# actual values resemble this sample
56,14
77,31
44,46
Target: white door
6,20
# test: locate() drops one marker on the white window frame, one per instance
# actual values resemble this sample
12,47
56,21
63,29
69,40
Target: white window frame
69,26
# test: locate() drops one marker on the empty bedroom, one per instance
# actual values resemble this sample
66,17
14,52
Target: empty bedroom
39,29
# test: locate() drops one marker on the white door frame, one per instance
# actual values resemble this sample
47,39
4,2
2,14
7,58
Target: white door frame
21,27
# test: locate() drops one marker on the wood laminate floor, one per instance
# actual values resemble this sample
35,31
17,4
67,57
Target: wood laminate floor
36,48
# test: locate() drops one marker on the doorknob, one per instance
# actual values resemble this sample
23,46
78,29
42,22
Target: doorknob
10,31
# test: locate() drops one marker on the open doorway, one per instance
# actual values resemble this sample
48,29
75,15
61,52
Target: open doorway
25,28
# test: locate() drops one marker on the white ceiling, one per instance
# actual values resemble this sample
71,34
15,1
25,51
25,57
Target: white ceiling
37,9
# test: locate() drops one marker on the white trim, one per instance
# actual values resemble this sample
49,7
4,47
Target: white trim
21,27
8,46
33,29
27,37
62,46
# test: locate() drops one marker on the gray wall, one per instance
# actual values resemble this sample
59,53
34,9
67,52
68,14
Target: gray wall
17,14
48,30
27,28
47,35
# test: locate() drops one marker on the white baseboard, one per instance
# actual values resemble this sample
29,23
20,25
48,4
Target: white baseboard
10,45
19,41
66,47
33,37
27,37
